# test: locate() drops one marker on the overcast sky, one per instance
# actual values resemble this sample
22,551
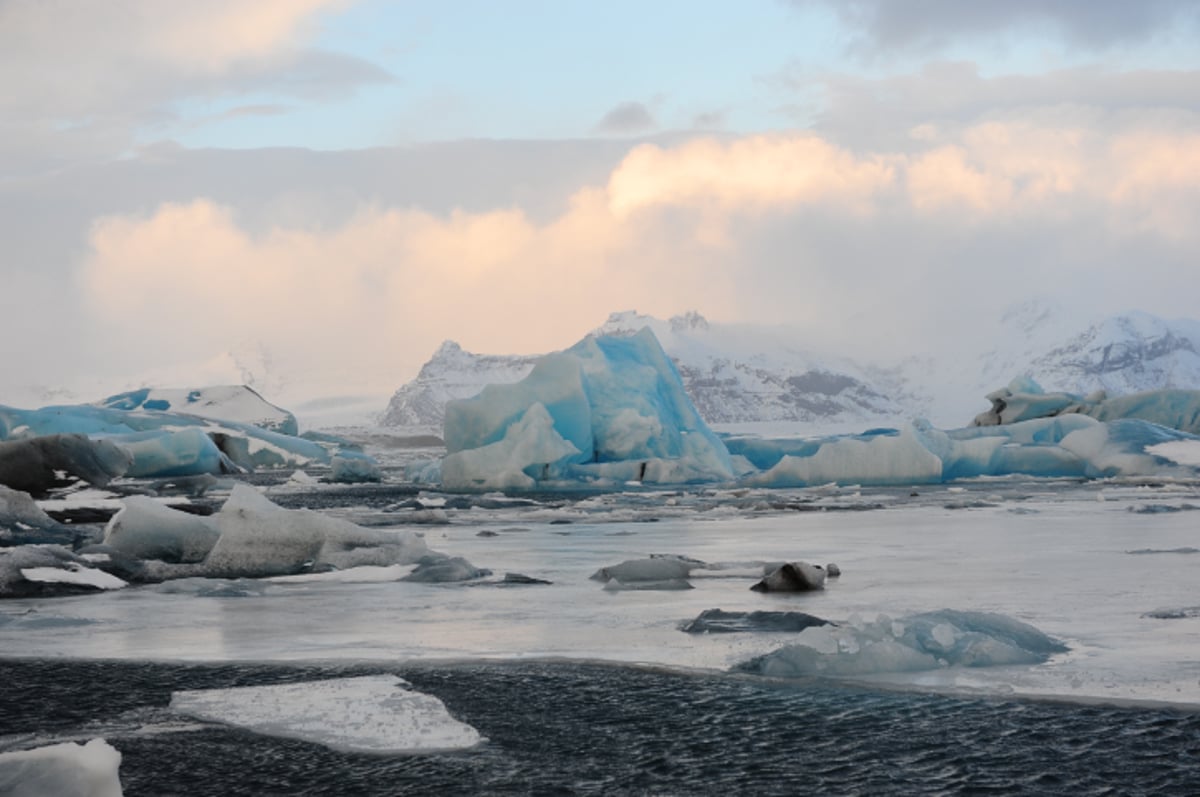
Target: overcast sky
327,189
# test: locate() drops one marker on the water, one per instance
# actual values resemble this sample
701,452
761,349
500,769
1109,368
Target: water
590,728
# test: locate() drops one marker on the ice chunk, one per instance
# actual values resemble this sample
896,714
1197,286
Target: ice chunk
22,522
718,621
657,568
920,642
370,714
611,408
792,577
163,454
38,464
237,403
259,538
48,570
436,568
148,529
62,770
354,469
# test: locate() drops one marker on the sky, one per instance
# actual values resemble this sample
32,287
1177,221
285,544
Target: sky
314,194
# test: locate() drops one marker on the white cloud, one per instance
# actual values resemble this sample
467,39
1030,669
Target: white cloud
872,249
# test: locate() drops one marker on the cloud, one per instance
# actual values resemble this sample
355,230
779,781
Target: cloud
79,79
871,112
887,26
882,253
627,118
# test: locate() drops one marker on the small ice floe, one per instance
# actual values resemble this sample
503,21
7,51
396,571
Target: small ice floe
719,621
793,577
48,570
62,770
1181,613
368,714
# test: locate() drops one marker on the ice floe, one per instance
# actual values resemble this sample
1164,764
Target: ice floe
368,714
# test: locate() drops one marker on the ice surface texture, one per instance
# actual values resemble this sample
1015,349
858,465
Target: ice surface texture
49,570
62,770
370,714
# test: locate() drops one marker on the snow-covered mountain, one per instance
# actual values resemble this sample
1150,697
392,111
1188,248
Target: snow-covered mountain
733,373
744,373
452,373
1124,354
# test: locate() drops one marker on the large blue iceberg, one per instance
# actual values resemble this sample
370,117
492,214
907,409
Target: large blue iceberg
612,410
607,409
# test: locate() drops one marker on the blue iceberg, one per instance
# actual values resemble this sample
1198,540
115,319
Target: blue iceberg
164,443
610,408
1024,399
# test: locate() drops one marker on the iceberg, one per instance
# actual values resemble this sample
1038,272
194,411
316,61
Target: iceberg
40,464
609,408
929,641
63,770
1024,399
23,522
259,538
163,443
29,571
148,529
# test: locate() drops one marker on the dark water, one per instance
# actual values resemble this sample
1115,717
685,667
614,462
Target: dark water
567,728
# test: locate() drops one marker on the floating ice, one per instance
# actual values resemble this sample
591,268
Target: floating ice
41,463
354,469
1023,399
150,436
436,568
928,641
370,714
62,770
719,621
48,570
609,407
259,538
148,529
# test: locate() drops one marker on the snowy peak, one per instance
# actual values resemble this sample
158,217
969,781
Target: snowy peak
1124,354
732,373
